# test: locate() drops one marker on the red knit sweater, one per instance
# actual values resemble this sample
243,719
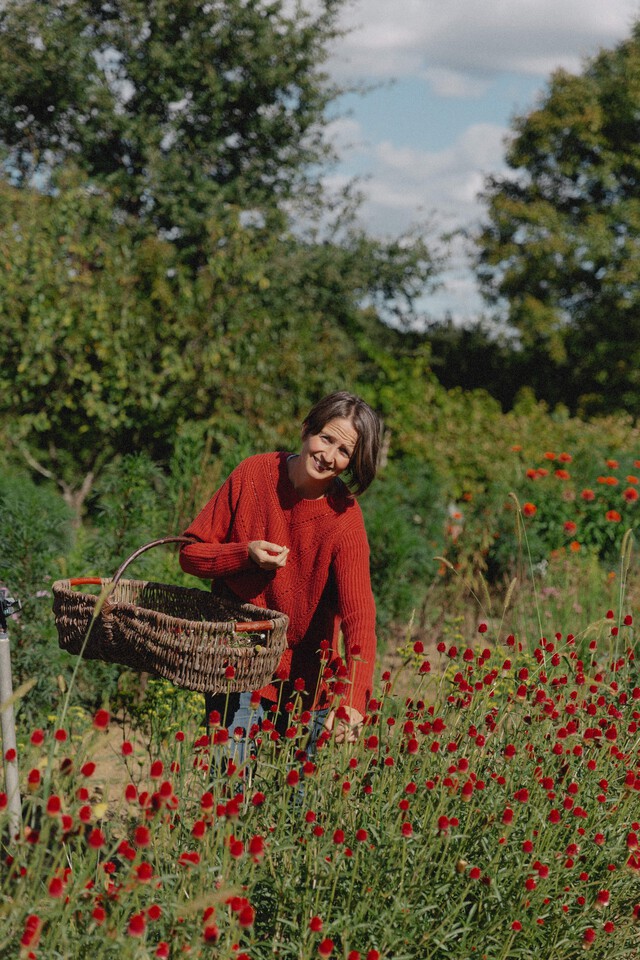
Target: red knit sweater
325,584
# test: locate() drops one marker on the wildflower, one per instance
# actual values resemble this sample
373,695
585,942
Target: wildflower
588,495
613,516
144,872
315,924
529,509
101,719
189,858
137,925
211,933
96,839
630,494
56,887
570,527
246,915
32,928
325,947
236,847
256,848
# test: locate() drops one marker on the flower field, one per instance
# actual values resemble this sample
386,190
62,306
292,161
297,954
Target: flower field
493,813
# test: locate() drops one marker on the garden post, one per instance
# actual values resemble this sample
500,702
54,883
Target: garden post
9,750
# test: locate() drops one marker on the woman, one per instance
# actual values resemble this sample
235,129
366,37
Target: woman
286,533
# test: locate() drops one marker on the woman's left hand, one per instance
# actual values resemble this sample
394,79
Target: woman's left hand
347,730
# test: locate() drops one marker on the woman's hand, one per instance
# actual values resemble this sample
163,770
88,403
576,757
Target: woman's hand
268,556
347,730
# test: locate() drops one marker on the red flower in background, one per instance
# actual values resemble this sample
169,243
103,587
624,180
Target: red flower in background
630,494
613,516
529,509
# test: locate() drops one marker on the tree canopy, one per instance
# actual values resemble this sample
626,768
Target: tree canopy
561,244
173,105
156,273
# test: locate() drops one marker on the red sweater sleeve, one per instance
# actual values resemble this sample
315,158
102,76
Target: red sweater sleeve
357,613
218,553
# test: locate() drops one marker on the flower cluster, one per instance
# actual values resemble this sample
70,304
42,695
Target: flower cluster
498,804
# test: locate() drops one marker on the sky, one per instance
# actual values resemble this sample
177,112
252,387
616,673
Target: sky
447,78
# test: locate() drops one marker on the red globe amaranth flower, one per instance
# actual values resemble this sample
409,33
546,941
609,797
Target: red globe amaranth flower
256,848
315,924
96,838
142,836
137,925
101,719
325,947
32,929
570,527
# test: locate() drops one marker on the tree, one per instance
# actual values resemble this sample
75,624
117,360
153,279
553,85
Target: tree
561,245
110,345
172,105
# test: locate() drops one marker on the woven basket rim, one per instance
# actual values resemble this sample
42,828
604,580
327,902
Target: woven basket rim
278,618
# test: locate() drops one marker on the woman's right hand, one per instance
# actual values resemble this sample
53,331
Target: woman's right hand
268,556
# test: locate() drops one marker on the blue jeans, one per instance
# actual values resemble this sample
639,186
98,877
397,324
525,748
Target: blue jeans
237,715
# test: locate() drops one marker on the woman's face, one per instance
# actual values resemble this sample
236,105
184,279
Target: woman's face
325,455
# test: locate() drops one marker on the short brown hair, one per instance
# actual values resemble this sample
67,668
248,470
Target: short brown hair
367,424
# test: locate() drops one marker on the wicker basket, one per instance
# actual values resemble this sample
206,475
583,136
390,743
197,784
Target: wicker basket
184,634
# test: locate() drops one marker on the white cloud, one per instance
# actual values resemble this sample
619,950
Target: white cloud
451,42
446,181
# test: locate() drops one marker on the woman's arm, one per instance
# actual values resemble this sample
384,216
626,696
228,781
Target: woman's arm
219,550
358,616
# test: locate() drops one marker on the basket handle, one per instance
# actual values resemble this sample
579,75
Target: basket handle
249,627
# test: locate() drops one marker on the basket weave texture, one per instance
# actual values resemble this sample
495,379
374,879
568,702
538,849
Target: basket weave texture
183,634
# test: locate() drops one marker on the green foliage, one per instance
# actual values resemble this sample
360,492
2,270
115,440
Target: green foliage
35,533
559,247
173,107
405,525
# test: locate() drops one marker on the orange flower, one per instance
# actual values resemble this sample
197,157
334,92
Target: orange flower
612,464
613,516
562,474
574,546
529,509
549,455
565,458
632,479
